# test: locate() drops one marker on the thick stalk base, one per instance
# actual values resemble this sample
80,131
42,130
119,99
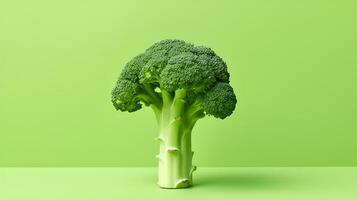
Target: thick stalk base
175,169
175,162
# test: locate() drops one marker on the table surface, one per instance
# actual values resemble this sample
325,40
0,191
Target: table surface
246,183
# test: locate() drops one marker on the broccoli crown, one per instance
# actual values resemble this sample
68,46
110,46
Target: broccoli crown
171,65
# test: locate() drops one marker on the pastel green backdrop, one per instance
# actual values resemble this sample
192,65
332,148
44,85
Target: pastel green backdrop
292,64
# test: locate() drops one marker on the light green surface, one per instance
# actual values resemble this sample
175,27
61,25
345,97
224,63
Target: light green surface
329,183
293,65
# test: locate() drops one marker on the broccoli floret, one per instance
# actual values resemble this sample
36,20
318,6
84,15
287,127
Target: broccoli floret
182,83
132,69
220,101
124,96
185,71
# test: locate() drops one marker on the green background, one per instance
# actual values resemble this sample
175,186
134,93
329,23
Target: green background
292,63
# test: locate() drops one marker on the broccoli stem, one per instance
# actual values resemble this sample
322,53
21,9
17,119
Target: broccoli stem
175,161
175,157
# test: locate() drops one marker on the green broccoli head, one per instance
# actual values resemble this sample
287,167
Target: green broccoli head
174,65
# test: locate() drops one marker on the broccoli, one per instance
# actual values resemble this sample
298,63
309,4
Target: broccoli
181,83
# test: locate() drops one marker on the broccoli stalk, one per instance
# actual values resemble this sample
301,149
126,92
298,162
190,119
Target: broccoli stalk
181,83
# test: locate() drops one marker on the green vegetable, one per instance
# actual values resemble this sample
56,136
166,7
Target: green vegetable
181,83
